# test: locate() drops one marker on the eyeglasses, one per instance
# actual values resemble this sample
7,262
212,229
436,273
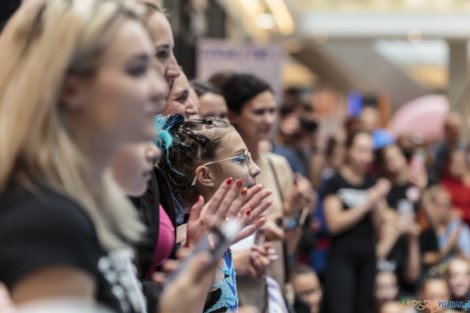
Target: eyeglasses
241,159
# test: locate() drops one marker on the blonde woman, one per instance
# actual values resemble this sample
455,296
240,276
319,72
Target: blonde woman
162,39
76,83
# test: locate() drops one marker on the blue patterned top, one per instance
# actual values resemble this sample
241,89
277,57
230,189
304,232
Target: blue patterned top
224,298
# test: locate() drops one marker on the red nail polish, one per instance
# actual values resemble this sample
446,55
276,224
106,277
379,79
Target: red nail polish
244,191
248,212
198,198
229,181
239,183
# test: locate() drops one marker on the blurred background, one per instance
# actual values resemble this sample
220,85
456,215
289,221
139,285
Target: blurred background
384,53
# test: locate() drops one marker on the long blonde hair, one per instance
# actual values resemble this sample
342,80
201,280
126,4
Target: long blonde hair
43,43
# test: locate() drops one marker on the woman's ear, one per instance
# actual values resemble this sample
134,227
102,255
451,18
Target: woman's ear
233,117
205,176
73,93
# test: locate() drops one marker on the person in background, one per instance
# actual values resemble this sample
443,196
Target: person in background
453,128
353,204
298,129
179,100
385,288
211,102
434,288
307,287
401,232
368,119
457,276
453,235
456,180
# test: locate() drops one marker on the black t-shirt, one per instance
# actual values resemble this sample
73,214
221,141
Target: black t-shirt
400,198
44,228
351,196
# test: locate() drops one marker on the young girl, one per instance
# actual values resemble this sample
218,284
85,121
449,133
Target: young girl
76,83
204,154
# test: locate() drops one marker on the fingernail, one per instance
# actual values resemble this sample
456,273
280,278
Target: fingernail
244,191
248,212
229,181
239,182
198,198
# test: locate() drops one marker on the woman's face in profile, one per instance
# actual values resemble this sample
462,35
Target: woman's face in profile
119,102
163,42
233,160
257,117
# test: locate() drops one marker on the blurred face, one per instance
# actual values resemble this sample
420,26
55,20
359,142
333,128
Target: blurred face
307,286
179,100
459,278
118,104
443,204
132,167
368,119
394,160
458,164
360,153
162,38
231,160
453,128
386,287
257,117
213,105
435,290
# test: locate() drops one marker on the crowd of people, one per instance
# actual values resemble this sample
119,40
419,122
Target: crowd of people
125,187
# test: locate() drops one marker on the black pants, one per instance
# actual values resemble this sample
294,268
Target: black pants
350,277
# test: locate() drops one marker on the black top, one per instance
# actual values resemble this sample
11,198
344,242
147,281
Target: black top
158,192
45,229
351,196
400,198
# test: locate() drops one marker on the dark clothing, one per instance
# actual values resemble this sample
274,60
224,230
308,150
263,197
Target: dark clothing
352,196
351,258
148,207
158,192
399,199
44,228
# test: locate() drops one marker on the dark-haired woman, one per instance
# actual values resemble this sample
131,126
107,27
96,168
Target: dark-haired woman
253,112
211,102
352,200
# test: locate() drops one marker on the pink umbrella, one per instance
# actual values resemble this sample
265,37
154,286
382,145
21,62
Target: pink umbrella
423,116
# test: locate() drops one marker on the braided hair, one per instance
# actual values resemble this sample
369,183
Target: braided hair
186,145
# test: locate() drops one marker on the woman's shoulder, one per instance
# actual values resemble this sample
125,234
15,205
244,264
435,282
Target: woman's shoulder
40,227
278,161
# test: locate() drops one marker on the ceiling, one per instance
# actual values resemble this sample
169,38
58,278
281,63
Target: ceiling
397,46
